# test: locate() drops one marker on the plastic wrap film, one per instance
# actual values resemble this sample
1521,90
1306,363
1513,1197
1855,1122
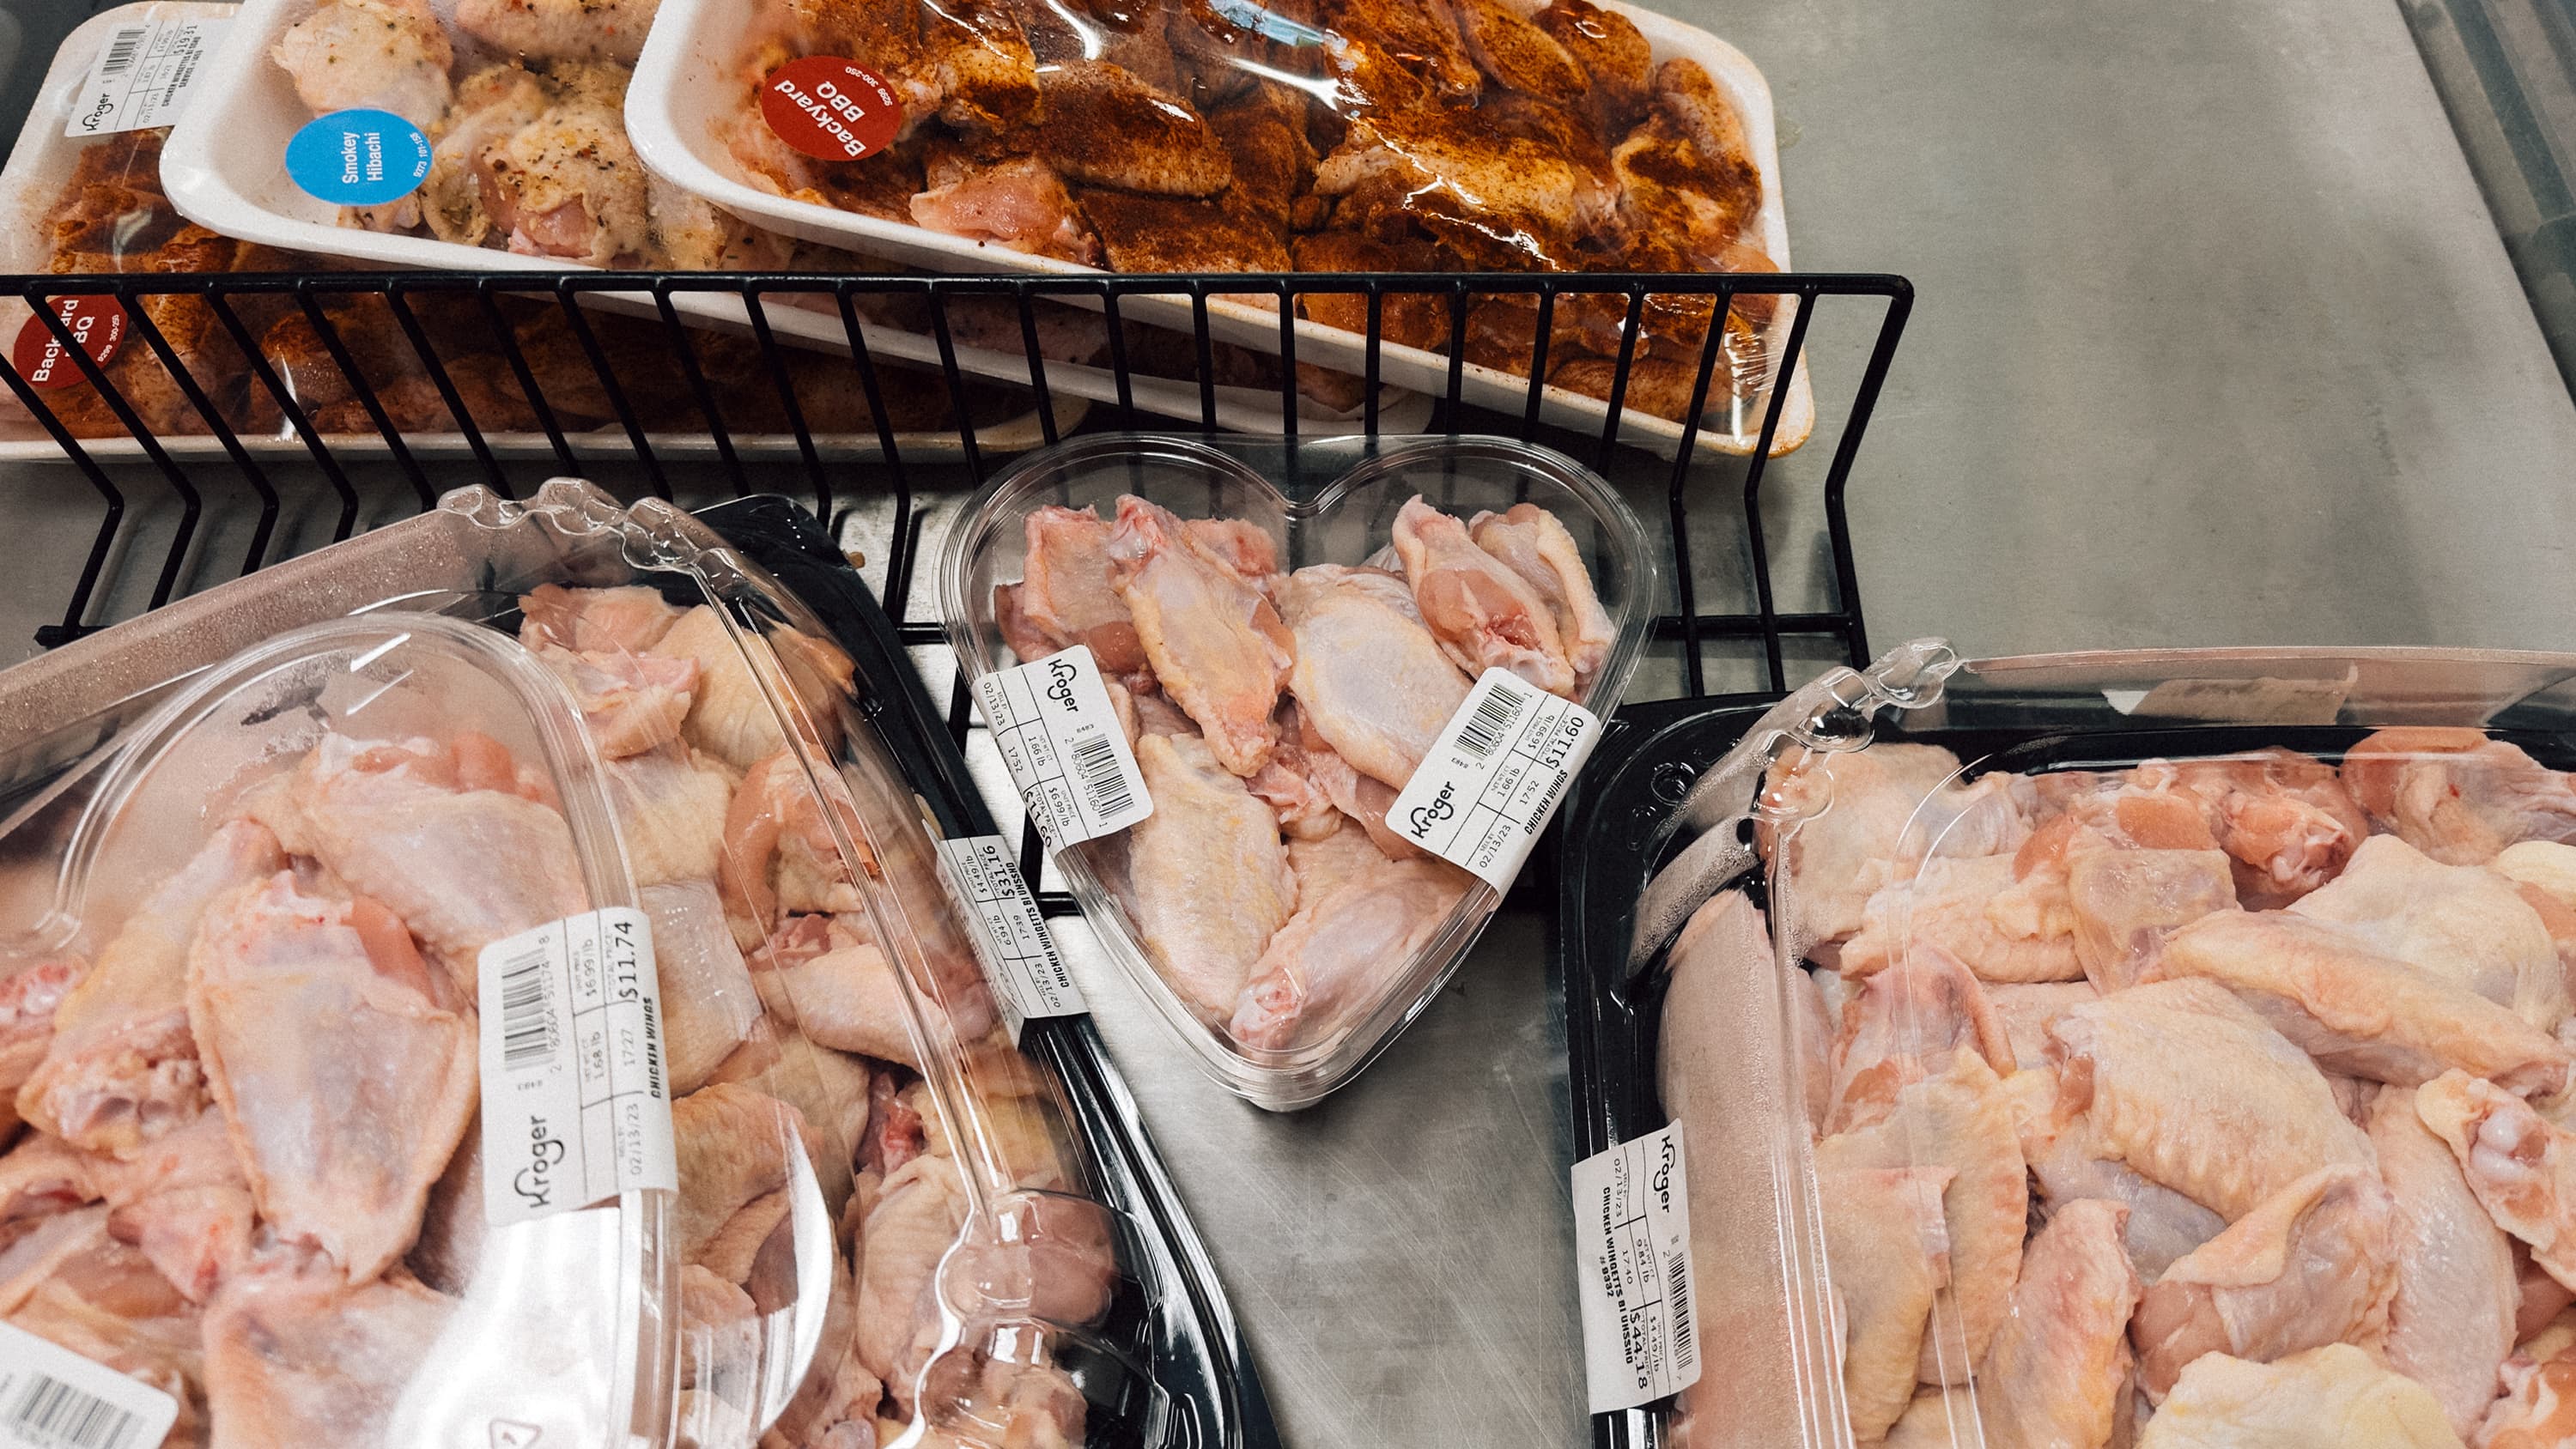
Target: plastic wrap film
1346,138
888,1221
2152,1028
1288,740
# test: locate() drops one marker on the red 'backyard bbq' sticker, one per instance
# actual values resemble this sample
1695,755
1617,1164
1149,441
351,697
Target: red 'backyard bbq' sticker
96,323
830,108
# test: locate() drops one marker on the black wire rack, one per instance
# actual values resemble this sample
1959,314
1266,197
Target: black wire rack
730,413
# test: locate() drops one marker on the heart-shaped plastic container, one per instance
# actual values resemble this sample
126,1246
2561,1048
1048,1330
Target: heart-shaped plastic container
1335,504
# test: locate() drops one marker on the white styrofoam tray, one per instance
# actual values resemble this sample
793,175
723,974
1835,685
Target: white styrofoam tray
225,169
45,159
686,85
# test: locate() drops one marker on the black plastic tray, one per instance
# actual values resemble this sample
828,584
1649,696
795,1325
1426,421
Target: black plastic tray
1216,1398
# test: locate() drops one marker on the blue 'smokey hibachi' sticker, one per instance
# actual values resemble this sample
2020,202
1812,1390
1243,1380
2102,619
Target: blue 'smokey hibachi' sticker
358,158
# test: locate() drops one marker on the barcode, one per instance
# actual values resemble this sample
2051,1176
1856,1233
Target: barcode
1104,786
57,1415
1677,1303
1486,728
527,1016
123,49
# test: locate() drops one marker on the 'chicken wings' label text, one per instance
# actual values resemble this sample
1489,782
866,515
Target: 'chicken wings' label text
52,1398
143,76
1062,741
576,1103
1011,939
1483,794
1632,1271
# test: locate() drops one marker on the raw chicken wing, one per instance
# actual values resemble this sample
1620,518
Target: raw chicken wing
1535,545
2358,1012
1332,962
2057,1373
1369,677
1207,880
1906,1024
2462,924
2071,1166
122,1068
343,1130
1851,839
1967,907
626,620
2334,1397
2311,1266
1889,1252
2124,904
708,1005
295,1359
1216,643
2026,1008
1484,614
671,810
2187,1085
631,702
1065,591
1961,1121
2284,817
2456,795
2522,1169
2451,1320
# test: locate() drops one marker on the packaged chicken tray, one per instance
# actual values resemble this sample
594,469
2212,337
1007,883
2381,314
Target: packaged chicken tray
1385,136
527,1012
1224,678
2168,1049
490,135
93,203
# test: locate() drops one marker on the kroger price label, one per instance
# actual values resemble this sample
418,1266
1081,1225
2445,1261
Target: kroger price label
143,75
576,1101
831,108
52,1398
358,158
1632,1271
1061,740
1010,936
39,356
1485,791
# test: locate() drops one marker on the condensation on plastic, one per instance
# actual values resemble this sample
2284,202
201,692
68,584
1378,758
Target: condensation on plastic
2090,712
559,1323
1344,521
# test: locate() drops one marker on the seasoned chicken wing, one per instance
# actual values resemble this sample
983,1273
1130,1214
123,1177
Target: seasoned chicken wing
1106,127
560,29
387,55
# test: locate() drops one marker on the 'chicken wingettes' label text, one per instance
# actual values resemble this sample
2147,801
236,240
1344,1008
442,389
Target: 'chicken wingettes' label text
1067,752
1010,936
1632,1272
576,1102
1487,789
52,1398
143,75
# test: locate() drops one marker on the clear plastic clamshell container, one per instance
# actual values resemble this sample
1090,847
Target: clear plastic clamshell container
1281,928
244,1037
2126,1029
